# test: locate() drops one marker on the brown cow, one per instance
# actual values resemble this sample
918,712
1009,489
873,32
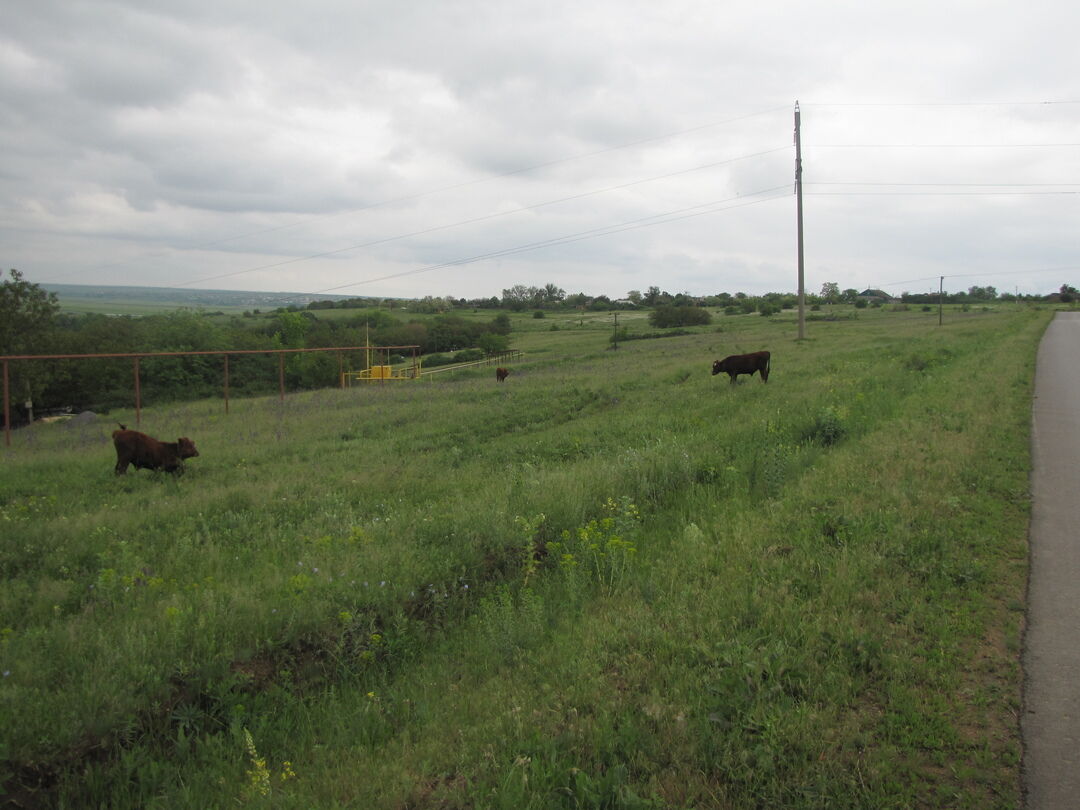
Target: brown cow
738,364
147,453
501,373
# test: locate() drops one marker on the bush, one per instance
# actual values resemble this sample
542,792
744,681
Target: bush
539,314
827,428
668,316
491,343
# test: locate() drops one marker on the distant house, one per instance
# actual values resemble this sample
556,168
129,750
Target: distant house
871,295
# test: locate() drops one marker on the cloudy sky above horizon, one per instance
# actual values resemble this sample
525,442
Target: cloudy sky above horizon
459,147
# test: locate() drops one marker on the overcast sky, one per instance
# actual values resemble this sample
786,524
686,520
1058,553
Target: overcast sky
459,147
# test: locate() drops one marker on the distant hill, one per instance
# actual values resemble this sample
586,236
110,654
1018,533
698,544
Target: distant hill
98,298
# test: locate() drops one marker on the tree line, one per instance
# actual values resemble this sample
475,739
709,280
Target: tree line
31,323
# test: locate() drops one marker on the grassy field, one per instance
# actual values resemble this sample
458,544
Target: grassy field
612,581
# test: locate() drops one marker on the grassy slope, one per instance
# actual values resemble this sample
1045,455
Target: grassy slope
821,609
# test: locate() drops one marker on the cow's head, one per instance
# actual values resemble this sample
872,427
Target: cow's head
717,367
186,448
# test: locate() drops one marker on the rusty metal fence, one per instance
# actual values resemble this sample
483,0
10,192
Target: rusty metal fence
137,356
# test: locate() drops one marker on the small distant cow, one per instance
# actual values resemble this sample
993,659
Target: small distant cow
501,373
147,453
738,364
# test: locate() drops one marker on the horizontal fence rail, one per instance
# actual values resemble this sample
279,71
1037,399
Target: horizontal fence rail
137,356
487,361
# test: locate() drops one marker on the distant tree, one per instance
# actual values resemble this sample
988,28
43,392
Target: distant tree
553,295
652,296
492,343
830,291
600,303
849,296
982,293
1068,294
291,328
27,316
577,300
517,297
635,297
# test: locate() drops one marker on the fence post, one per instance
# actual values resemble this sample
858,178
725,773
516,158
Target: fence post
138,395
226,384
281,375
7,409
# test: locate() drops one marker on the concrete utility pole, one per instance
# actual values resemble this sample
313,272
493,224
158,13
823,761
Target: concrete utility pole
798,217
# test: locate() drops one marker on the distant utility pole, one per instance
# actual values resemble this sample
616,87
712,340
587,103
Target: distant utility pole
615,336
940,294
798,217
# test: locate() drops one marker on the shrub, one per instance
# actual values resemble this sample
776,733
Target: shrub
491,343
827,428
668,316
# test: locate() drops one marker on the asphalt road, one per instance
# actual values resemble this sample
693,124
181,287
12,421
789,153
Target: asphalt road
1051,720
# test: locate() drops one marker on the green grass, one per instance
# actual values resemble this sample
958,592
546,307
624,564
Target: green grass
613,581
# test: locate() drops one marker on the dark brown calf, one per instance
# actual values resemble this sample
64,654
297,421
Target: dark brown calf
501,373
738,364
147,453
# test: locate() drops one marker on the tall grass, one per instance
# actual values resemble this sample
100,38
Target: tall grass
611,581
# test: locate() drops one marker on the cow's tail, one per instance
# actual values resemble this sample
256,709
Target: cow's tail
765,371
122,427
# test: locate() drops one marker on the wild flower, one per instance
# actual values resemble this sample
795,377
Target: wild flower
258,774
603,546
530,529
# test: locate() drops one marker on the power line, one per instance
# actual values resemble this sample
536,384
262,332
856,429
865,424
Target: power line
941,193
959,185
1067,269
483,218
657,219
943,104
450,187
941,145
